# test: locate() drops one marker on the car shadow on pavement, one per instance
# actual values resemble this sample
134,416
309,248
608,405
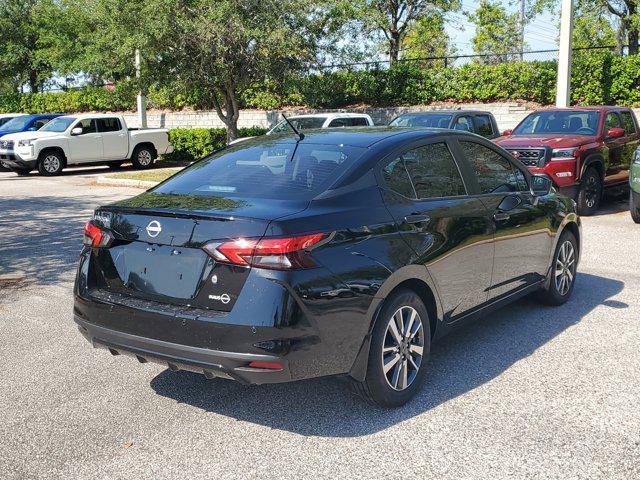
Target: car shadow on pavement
41,236
464,360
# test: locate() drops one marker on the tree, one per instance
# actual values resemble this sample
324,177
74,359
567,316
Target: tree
20,31
427,37
497,33
224,47
627,13
396,18
592,28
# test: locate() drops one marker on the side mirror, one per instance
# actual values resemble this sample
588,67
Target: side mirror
76,131
507,132
615,133
541,184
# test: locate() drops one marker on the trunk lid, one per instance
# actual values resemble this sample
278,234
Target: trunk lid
158,253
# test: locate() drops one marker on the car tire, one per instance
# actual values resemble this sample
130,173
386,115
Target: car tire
589,193
634,206
143,157
115,165
21,172
563,271
397,366
50,163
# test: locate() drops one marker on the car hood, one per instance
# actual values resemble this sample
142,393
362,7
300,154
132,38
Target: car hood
553,141
25,135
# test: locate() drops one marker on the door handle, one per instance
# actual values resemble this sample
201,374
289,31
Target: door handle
501,216
416,218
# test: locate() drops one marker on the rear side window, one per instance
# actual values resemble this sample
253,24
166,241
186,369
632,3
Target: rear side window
260,169
484,126
397,178
41,122
432,171
495,173
628,124
109,125
359,122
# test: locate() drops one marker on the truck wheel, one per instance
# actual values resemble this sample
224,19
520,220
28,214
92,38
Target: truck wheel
143,157
634,206
590,192
50,163
563,271
399,351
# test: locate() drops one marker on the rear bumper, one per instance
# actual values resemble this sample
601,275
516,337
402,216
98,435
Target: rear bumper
210,363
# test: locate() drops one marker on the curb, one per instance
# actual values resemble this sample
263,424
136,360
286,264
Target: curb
125,182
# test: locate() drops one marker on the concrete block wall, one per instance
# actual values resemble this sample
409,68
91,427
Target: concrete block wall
508,115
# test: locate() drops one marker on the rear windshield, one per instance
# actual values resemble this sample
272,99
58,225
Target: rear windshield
265,170
433,120
576,122
304,123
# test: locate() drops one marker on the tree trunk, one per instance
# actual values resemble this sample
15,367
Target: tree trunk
34,85
228,110
394,48
633,40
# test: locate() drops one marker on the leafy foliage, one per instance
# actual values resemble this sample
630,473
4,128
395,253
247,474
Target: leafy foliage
194,143
497,32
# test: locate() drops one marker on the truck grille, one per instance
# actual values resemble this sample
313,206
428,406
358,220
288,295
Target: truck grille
530,156
6,144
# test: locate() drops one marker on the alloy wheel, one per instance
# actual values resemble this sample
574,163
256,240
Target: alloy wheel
591,191
51,164
403,348
144,157
565,268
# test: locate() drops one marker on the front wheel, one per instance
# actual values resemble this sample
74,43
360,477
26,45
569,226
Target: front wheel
51,163
590,192
399,351
143,157
634,206
563,271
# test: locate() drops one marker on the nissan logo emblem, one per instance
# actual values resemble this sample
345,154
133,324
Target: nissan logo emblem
154,228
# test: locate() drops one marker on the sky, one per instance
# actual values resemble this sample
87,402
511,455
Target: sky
540,34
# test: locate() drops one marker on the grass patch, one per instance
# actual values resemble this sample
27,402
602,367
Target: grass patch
154,175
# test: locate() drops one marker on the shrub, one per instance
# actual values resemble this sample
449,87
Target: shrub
194,143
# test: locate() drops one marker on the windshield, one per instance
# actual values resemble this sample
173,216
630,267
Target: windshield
17,123
4,120
433,120
265,170
58,125
577,122
304,123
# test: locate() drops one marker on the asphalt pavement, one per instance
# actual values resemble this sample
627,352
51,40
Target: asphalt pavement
530,392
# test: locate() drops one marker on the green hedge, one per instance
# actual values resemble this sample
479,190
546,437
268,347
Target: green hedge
598,78
193,143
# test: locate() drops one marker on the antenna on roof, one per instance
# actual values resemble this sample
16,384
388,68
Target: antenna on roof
298,133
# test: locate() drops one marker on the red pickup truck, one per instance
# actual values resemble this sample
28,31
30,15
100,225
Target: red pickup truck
583,150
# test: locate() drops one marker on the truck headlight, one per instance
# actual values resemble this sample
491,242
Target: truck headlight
26,143
563,153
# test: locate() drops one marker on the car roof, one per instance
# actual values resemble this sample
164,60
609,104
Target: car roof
330,115
447,111
91,115
600,108
363,137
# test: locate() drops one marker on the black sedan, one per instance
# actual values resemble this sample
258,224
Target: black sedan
341,253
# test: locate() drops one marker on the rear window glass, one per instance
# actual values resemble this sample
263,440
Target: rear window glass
265,170
431,120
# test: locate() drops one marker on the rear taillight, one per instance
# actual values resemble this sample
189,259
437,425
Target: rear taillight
95,237
274,253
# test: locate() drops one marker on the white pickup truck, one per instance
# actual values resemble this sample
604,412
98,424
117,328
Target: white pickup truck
82,140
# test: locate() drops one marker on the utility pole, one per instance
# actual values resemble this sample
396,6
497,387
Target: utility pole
563,90
142,99
522,20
